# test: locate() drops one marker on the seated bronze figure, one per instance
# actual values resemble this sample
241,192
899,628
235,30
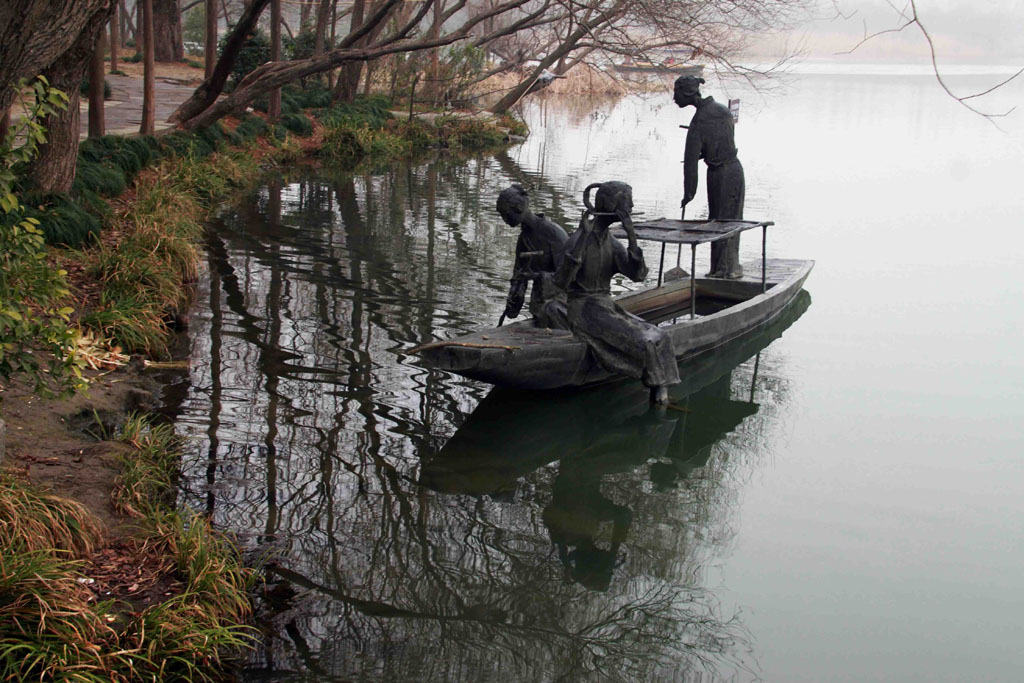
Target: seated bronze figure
622,342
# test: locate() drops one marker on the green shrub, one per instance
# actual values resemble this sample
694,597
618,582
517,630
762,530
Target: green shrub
301,46
255,51
298,124
83,88
103,179
182,144
309,98
129,155
36,340
251,126
369,111
64,221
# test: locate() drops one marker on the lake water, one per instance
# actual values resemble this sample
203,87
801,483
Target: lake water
841,502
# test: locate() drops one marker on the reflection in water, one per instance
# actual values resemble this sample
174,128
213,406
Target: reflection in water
547,539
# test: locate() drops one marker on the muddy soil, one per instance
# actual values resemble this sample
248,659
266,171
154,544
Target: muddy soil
63,444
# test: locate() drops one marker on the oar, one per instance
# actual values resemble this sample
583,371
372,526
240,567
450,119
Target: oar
501,319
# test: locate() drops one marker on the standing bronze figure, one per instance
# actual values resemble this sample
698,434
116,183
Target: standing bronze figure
538,255
622,342
710,137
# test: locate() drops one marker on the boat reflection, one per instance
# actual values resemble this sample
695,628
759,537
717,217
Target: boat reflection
512,432
562,539
596,434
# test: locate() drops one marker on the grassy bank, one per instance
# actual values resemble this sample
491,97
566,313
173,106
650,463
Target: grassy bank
56,621
128,235
129,230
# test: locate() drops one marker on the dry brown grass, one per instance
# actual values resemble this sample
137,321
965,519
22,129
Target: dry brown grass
36,520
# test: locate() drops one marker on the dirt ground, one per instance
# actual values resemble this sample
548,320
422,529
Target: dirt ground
61,443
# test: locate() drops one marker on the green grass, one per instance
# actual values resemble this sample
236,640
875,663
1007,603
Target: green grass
36,520
65,221
147,471
51,630
251,126
297,123
366,130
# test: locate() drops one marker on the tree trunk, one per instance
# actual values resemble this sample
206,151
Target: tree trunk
369,78
167,43
34,35
148,126
210,46
207,92
115,39
96,122
304,12
53,169
434,87
334,29
274,107
122,18
275,74
140,31
323,12
348,76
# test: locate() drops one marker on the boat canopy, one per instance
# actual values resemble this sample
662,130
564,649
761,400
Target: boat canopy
676,231
679,232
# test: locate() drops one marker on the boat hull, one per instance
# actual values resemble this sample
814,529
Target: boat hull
522,356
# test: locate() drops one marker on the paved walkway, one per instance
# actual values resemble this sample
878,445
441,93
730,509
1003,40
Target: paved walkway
123,111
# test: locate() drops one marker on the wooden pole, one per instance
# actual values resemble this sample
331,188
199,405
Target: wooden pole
148,126
115,38
96,89
211,37
274,107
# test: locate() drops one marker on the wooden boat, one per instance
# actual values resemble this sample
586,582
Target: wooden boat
700,314
512,433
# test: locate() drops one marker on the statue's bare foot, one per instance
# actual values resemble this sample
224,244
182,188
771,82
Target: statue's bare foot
659,395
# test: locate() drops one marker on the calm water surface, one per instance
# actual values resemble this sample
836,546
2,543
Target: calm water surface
838,502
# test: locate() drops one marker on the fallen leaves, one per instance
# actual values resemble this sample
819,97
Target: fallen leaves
129,570
99,353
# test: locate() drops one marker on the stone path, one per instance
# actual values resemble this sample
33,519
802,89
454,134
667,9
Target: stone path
123,111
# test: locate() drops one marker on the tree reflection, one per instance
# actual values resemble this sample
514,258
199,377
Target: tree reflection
553,539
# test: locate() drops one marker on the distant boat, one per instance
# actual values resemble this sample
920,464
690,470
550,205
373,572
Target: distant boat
668,66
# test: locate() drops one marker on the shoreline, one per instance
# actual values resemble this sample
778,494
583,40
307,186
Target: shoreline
134,564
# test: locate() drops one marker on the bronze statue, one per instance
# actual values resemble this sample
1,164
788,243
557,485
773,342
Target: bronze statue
538,255
623,343
710,137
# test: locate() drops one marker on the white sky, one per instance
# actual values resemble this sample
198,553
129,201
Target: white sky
964,31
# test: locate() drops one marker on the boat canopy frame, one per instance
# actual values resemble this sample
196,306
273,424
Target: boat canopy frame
693,232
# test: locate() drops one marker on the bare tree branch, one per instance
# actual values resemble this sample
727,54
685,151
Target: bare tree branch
910,17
